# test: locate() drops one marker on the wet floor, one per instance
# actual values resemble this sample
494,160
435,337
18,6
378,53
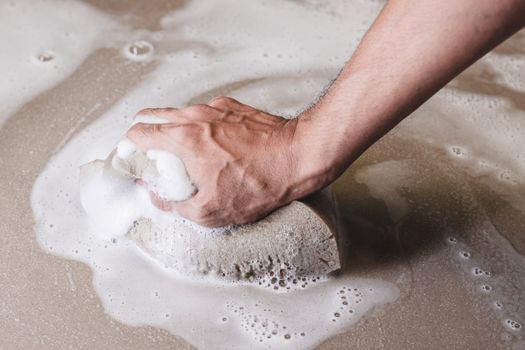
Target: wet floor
437,207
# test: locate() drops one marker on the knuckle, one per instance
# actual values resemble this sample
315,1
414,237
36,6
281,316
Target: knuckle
199,109
201,211
190,210
185,132
134,131
195,216
143,129
202,215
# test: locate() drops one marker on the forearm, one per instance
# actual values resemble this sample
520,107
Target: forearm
412,50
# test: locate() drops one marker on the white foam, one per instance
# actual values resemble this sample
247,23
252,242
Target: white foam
43,42
287,68
112,199
171,182
301,48
111,195
140,51
137,290
126,148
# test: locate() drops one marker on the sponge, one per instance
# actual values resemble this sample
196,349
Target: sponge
300,239
297,240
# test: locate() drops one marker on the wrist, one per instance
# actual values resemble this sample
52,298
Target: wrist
315,165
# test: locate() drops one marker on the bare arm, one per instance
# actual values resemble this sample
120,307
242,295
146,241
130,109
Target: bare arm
246,163
411,51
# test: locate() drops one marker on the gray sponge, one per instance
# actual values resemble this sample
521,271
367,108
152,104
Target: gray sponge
297,240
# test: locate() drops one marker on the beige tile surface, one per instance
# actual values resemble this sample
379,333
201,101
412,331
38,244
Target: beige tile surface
47,302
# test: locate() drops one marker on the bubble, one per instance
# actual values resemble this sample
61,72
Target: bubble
138,50
486,288
457,151
513,325
287,336
452,240
464,254
46,56
478,272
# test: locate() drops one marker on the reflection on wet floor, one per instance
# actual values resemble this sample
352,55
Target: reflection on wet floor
435,214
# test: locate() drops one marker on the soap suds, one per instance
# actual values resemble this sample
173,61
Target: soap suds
138,290
292,61
46,42
172,182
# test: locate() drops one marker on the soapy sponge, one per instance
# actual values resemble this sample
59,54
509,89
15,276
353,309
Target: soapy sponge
299,239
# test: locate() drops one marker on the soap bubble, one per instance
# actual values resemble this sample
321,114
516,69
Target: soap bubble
138,50
478,272
514,325
486,288
45,56
464,254
457,151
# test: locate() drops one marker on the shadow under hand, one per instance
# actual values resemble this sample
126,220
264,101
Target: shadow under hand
391,223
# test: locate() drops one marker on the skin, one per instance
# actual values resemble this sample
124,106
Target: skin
246,163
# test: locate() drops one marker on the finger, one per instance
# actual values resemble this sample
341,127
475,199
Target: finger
175,115
200,112
193,210
159,202
227,103
186,208
155,115
148,136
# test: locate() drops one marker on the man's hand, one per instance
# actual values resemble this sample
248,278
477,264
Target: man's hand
244,162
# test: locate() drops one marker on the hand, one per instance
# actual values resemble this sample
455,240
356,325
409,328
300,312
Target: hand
243,162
